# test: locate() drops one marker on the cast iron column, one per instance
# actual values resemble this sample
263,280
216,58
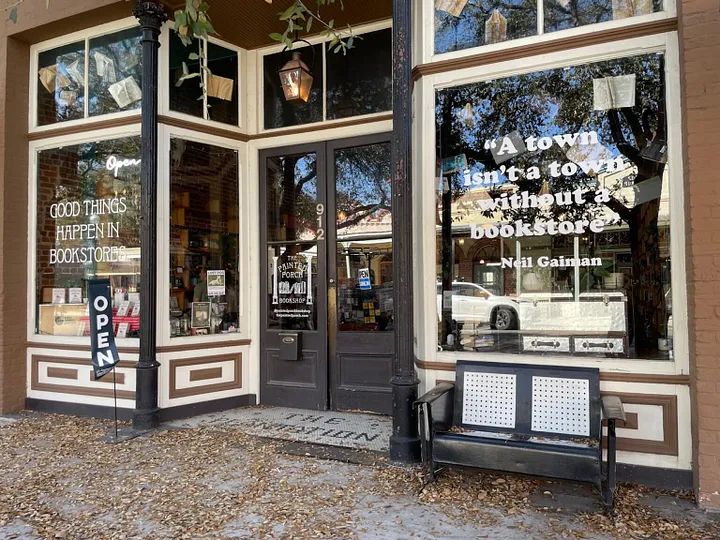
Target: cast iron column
404,441
151,16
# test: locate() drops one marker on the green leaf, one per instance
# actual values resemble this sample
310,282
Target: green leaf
194,56
308,25
276,37
13,14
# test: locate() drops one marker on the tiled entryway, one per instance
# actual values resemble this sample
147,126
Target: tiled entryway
348,430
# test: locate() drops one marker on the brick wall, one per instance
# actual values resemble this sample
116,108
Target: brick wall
699,22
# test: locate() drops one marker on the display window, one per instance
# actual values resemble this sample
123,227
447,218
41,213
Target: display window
553,212
91,77
464,24
204,239
87,226
358,82
211,66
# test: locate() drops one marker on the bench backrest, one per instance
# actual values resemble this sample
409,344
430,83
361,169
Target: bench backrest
527,399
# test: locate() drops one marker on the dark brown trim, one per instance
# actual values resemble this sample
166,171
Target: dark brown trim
93,391
84,127
62,373
68,347
322,127
235,384
555,45
647,378
669,445
135,350
205,374
118,377
203,346
631,421
203,127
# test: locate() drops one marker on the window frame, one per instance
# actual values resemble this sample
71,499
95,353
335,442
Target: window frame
325,122
67,39
164,82
427,29
166,133
424,167
35,147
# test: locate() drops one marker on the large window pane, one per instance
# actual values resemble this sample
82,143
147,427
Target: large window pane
562,14
363,205
222,84
185,97
462,24
280,113
360,81
553,212
115,72
88,216
292,198
61,85
204,236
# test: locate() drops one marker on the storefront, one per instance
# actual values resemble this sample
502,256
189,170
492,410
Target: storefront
554,212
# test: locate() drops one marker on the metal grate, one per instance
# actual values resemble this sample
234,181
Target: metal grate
561,405
489,399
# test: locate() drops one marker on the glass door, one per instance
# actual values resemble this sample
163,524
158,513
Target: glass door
294,299
361,340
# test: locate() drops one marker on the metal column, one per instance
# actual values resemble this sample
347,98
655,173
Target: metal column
404,441
151,16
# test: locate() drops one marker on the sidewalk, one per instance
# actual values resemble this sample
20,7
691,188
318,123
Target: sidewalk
59,479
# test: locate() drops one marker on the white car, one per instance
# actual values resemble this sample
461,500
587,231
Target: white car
474,304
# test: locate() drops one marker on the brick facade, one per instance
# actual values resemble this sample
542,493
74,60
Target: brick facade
699,22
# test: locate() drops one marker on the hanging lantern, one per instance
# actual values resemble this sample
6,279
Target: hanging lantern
296,79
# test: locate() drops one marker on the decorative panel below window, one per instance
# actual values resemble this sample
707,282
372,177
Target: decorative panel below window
88,226
553,212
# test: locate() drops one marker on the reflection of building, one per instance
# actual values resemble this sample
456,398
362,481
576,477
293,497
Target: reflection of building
246,179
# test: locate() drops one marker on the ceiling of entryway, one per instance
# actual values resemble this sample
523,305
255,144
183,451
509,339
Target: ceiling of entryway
247,23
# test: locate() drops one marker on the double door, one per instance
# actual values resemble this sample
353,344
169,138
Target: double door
327,313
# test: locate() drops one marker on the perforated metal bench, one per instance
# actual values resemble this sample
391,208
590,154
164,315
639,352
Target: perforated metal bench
530,419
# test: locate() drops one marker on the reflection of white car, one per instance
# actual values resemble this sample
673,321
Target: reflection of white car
472,303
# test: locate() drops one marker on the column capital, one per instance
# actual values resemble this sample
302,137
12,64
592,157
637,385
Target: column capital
150,14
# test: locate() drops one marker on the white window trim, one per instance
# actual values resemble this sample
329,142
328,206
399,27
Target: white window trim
85,36
164,83
428,25
425,236
313,40
163,239
34,148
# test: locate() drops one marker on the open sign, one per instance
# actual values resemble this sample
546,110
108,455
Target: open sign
102,339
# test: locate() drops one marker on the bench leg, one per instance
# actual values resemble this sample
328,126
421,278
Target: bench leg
610,473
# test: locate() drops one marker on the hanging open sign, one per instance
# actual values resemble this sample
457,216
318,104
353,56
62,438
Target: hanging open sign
102,340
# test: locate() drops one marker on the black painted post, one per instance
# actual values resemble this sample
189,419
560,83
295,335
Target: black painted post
404,441
151,16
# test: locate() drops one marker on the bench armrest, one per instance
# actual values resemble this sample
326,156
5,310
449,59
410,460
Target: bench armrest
612,408
439,391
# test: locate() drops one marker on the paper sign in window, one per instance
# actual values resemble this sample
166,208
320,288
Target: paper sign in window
220,87
125,92
47,77
105,67
453,7
614,92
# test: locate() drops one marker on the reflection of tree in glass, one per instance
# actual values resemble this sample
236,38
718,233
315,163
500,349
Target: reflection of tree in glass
560,101
562,14
468,30
124,50
362,183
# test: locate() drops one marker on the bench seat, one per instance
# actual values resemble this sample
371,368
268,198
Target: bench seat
531,419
